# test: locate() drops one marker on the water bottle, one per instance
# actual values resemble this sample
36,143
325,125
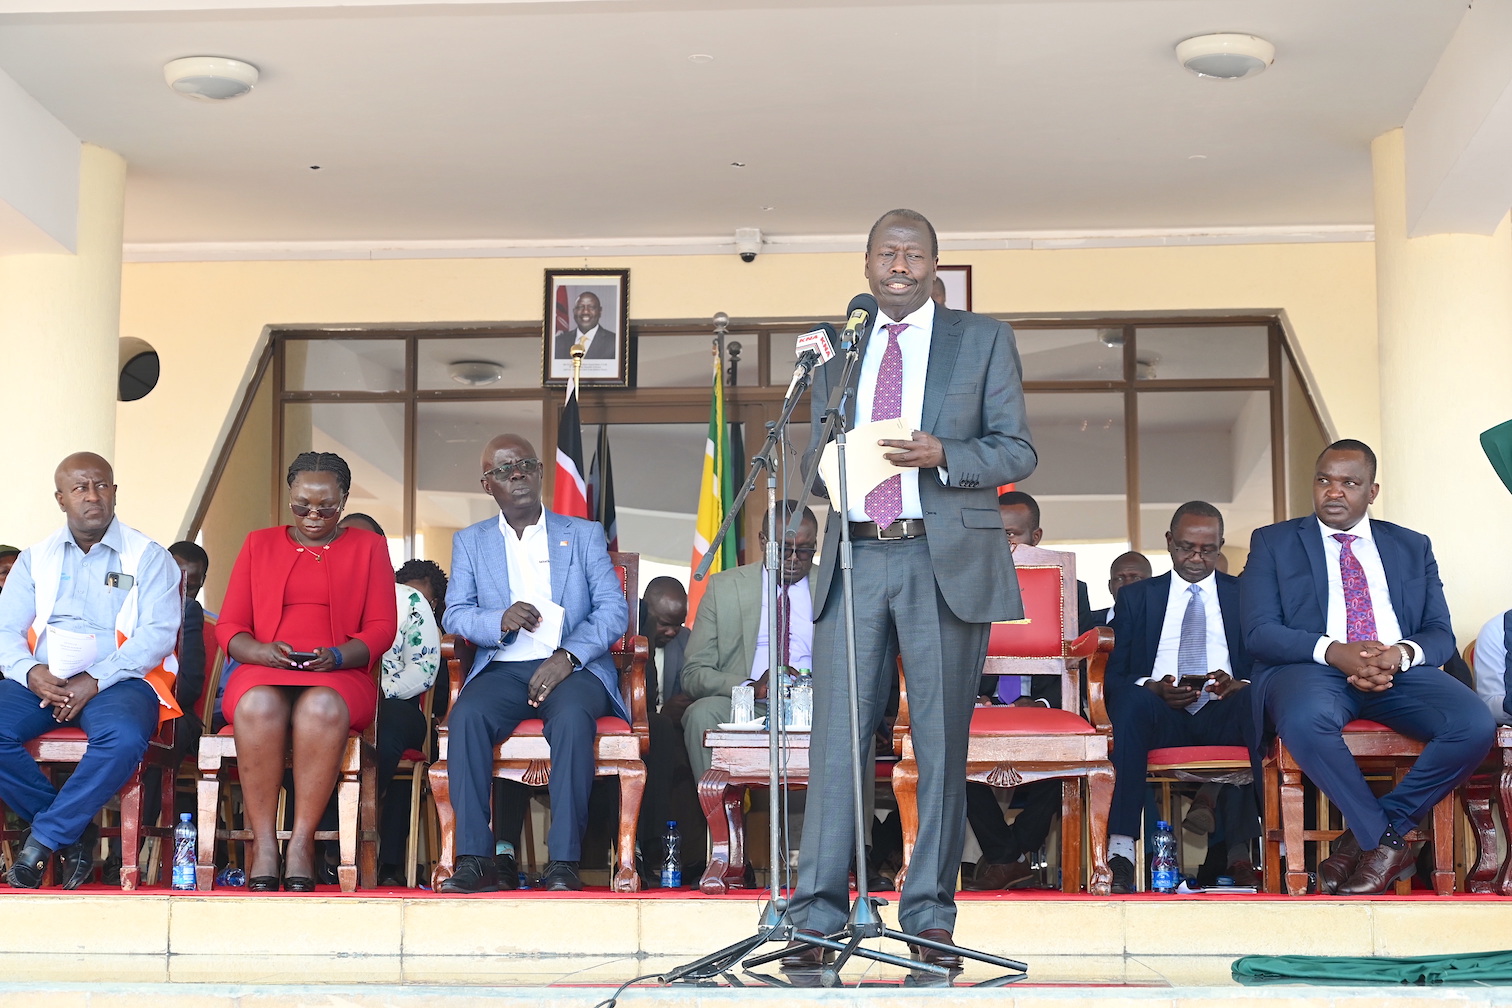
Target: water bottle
1163,875
184,837
671,869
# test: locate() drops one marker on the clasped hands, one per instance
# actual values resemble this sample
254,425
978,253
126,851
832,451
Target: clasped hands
1179,697
524,616
66,697
1368,666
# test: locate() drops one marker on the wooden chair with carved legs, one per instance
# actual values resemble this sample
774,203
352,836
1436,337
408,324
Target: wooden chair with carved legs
1012,745
620,747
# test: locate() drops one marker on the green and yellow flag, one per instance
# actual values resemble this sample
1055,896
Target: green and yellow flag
715,492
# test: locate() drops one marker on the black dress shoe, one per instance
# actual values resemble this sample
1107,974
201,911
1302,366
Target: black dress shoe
1123,875
561,876
473,874
78,857
1379,869
30,864
1340,863
262,883
936,957
508,870
803,956
298,883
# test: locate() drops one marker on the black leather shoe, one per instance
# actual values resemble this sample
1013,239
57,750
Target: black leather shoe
298,883
1340,863
508,870
30,864
561,876
1379,869
78,857
803,956
1123,875
262,883
473,874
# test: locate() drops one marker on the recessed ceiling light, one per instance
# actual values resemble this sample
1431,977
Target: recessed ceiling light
1196,157
1225,55
475,372
700,58
210,78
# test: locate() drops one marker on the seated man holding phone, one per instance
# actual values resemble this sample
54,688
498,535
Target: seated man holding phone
1176,678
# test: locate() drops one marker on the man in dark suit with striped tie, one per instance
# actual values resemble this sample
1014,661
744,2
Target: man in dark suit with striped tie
1170,628
1345,618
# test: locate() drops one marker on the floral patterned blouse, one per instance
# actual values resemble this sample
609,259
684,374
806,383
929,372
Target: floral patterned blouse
410,666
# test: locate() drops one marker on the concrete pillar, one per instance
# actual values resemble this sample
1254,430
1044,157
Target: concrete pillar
59,327
1445,315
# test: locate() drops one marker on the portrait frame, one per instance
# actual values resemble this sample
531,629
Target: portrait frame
607,362
957,281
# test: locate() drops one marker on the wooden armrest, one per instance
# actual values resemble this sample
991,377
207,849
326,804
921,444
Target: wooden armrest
633,685
1097,707
458,653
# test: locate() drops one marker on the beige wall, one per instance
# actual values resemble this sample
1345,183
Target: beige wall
206,320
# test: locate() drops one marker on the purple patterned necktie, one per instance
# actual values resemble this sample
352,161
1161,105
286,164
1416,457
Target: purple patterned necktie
1359,614
884,504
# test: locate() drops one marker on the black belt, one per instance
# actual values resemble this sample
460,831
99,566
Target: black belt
905,528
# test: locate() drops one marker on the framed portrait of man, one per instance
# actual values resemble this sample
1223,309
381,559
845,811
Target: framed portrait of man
590,309
957,283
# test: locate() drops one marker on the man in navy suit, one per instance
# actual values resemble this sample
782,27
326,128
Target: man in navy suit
509,573
1345,618
1172,628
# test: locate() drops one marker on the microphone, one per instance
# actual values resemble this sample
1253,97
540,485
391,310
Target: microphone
815,347
862,309
806,360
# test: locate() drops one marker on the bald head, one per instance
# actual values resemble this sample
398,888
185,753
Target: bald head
72,463
86,495
666,610
503,442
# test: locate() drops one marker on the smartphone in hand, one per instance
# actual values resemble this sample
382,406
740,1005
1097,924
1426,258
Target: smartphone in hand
1196,682
303,657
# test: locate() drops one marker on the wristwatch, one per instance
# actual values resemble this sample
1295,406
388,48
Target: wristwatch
571,657
1406,657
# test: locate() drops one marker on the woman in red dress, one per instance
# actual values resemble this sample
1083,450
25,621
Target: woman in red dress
310,588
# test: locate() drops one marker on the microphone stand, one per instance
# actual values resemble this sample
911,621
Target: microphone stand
773,925
865,922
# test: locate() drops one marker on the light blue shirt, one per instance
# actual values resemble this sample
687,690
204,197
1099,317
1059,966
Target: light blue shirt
87,605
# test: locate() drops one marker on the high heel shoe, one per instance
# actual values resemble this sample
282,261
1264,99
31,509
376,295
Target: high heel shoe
298,883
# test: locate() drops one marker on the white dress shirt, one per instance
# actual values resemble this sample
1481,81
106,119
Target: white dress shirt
1491,668
914,343
1388,628
1170,629
529,579
800,628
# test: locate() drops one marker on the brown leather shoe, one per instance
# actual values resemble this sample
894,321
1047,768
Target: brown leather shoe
1379,869
803,956
1340,864
991,876
935,957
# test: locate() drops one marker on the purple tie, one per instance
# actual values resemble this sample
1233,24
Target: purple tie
1359,615
884,504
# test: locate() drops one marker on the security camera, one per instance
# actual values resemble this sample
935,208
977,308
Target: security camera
748,243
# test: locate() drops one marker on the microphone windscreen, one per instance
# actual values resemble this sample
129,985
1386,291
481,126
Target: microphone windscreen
865,302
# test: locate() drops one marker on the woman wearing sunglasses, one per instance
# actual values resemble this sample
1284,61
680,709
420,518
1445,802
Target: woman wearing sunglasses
309,609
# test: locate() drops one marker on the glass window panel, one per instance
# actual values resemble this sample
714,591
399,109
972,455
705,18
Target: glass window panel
449,441
1071,354
344,365
1305,441
1209,446
1202,352
687,360
370,437
518,360
1080,481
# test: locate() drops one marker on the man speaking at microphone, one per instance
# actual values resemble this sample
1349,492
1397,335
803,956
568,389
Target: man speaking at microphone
932,571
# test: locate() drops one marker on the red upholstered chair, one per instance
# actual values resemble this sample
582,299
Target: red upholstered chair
1014,745
619,748
1378,750
356,803
65,747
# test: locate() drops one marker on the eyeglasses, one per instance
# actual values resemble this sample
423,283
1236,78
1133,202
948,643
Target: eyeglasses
524,466
1202,551
799,552
323,513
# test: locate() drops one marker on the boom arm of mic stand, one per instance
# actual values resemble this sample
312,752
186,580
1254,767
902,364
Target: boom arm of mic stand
834,414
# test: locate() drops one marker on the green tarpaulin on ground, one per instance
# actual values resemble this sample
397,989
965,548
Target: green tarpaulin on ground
1462,967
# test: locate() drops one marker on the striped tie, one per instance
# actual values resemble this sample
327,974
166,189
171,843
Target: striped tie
884,503
1191,652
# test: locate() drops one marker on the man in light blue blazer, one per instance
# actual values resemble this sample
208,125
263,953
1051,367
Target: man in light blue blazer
1345,618
507,574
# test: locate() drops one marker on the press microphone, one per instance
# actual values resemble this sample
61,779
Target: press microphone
815,347
862,308
806,360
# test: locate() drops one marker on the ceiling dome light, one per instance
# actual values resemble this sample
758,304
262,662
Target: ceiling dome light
1225,56
210,78
475,372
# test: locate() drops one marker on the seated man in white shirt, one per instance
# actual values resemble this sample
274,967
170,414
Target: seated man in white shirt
728,646
1491,655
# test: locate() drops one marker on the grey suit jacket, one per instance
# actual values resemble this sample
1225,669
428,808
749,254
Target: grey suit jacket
723,643
974,403
583,582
